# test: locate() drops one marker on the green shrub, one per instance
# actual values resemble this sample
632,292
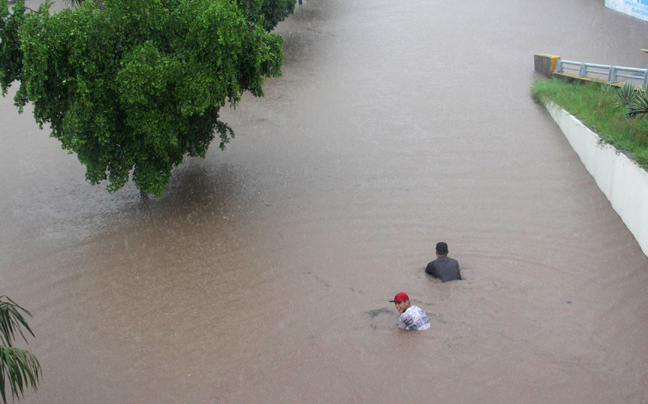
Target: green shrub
625,95
638,105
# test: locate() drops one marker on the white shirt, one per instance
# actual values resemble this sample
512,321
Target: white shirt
413,318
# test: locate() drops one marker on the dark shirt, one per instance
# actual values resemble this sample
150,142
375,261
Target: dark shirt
444,268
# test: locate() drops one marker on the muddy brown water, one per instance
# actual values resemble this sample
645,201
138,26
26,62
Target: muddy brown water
264,274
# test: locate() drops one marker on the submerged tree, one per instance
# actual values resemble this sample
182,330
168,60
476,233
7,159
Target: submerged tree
268,12
19,369
133,87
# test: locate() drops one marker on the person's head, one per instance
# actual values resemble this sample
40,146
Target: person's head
442,248
402,302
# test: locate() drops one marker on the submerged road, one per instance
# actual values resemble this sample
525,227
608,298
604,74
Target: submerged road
264,274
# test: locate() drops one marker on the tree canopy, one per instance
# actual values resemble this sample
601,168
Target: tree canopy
269,12
133,87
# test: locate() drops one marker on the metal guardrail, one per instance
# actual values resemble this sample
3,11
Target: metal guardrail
612,72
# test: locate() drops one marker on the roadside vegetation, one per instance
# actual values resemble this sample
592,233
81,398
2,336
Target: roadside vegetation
618,115
19,369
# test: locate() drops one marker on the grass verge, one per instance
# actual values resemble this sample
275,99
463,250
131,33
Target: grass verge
597,107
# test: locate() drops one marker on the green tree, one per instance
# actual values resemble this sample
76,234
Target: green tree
268,12
19,369
133,87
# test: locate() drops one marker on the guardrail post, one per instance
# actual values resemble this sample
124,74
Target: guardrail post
612,77
583,70
559,66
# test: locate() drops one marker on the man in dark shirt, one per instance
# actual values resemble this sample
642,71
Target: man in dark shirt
444,267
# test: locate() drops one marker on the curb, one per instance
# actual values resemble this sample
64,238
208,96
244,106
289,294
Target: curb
623,181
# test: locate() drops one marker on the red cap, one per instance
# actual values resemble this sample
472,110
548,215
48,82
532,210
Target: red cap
400,297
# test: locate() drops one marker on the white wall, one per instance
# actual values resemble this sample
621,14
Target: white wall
623,182
635,8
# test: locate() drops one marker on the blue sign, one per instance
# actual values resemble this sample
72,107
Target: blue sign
635,8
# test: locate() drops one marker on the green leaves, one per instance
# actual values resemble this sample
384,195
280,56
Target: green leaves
10,53
12,321
267,12
18,368
633,101
133,87
624,95
638,105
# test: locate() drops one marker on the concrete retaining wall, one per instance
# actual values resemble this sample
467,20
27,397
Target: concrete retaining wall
623,182
635,8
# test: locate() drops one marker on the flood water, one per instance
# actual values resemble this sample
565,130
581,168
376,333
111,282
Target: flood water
264,274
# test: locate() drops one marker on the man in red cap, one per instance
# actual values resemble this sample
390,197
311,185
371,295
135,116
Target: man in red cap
411,317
